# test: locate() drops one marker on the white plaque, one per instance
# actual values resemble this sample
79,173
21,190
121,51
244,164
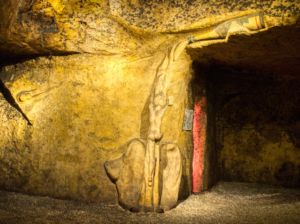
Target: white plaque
188,120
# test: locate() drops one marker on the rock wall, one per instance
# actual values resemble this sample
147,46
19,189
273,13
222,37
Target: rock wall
257,127
62,117
82,109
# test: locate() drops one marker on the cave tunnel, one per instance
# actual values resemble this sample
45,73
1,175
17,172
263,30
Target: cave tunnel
252,123
147,111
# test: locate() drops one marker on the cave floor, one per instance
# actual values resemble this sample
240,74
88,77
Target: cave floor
227,202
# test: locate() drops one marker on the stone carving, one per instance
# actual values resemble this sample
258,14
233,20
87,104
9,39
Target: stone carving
150,196
248,24
128,174
148,174
26,95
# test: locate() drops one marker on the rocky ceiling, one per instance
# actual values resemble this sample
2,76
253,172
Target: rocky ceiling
30,28
273,53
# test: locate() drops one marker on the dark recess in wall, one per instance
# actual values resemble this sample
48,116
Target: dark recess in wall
257,125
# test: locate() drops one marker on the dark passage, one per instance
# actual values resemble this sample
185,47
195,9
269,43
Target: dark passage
257,125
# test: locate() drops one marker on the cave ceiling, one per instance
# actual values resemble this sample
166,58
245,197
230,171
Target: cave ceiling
274,53
31,28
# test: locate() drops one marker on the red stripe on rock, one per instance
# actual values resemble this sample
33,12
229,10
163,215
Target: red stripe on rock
199,140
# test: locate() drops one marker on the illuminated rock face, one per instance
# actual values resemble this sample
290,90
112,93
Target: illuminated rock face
64,117
118,26
128,174
157,183
83,109
155,172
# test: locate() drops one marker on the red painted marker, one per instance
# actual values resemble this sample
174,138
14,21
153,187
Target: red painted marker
199,140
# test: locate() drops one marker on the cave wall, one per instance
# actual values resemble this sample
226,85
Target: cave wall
257,127
68,114
83,109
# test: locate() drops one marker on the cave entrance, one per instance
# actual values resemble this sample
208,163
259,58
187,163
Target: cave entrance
246,95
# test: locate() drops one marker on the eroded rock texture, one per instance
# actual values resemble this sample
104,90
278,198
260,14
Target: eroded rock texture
65,115
117,26
74,129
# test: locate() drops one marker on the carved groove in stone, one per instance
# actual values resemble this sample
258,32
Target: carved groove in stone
148,174
11,100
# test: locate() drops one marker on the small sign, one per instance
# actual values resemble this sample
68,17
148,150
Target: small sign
188,120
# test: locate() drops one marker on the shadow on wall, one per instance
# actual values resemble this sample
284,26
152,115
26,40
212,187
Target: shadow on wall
257,126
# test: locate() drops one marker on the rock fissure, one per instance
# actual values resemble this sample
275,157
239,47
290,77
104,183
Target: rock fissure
11,100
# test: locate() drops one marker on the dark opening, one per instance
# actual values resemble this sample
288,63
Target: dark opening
253,131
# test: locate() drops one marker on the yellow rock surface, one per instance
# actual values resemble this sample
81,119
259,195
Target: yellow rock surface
84,106
82,109
118,26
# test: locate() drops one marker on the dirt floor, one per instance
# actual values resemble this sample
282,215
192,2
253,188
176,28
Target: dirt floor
225,203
